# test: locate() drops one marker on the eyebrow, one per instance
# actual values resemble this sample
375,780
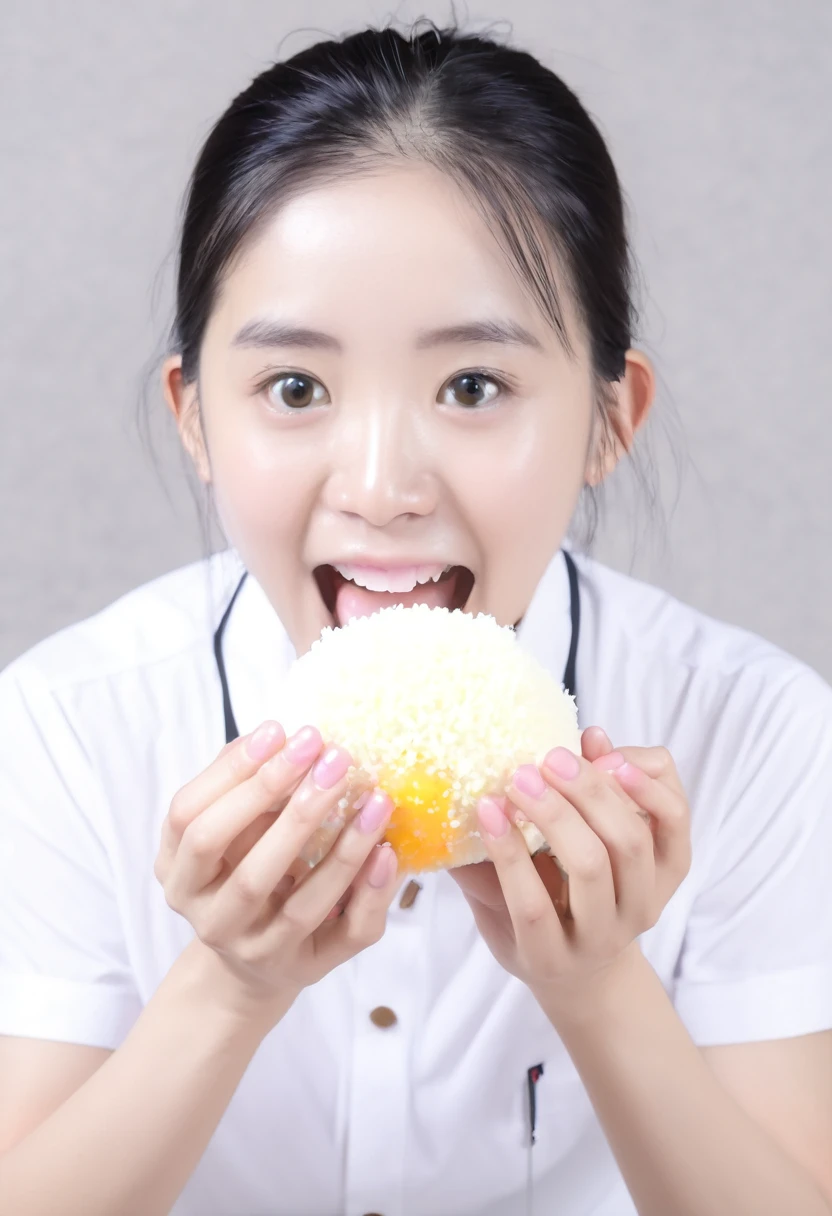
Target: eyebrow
263,332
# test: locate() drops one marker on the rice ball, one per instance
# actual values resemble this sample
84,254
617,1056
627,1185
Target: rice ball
438,708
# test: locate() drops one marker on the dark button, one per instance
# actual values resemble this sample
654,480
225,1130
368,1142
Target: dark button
408,898
371,1214
383,1017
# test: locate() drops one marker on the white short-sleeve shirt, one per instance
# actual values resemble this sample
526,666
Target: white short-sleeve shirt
101,723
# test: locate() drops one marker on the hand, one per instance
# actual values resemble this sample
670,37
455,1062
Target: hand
229,863
621,834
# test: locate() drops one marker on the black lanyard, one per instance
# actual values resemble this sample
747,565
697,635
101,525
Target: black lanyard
569,681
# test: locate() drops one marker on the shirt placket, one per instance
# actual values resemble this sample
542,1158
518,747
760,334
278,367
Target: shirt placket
386,1007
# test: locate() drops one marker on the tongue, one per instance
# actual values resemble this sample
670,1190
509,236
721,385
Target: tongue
352,600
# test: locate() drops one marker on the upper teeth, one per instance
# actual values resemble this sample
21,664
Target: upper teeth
403,579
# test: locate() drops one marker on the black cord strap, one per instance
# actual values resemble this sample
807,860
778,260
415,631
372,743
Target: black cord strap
569,680
231,731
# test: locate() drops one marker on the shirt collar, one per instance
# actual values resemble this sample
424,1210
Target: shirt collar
257,650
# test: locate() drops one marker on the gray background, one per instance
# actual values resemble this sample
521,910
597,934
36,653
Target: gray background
718,117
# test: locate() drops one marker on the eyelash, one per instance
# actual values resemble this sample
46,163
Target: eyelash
506,388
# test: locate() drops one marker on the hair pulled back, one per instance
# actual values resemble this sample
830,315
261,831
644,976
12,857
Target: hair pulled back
506,129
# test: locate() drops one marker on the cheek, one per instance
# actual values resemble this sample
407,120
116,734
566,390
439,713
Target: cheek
261,485
521,486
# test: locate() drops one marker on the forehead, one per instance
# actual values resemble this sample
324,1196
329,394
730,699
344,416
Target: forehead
380,253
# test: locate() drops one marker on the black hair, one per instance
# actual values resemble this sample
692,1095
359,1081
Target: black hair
504,127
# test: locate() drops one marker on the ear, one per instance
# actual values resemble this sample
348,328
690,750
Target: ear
632,398
182,401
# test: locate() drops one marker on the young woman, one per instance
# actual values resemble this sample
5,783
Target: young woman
402,351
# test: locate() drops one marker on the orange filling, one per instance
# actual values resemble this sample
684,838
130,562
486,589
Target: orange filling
420,830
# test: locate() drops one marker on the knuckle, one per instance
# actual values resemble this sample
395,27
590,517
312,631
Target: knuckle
237,760
173,900
360,932
589,861
346,862
303,807
180,812
664,758
553,809
533,911
593,785
296,920
198,840
250,951
210,932
635,843
247,887
676,812
272,778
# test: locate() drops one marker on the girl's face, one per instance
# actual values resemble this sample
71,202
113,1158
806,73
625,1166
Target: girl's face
380,401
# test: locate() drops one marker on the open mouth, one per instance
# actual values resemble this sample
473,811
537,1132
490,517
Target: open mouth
369,590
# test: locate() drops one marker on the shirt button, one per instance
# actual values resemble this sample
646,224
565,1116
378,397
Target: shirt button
383,1017
410,892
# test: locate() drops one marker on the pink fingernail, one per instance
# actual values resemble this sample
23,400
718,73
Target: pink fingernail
599,734
492,818
528,780
303,746
377,808
563,763
383,866
627,772
264,740
610,762
331,767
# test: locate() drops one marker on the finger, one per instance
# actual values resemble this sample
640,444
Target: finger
657,762
238,755
205,841
626,837
244,897
365,916
607,764
479,881
536,924
575,843
308,906
671,819
595,743
236,762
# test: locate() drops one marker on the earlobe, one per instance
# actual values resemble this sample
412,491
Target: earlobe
182,401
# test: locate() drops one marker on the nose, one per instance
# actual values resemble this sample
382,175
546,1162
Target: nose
381,465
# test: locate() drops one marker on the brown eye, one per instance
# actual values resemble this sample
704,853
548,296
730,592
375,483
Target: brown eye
470,392
292,391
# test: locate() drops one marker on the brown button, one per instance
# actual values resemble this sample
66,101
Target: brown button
409,895
383,1017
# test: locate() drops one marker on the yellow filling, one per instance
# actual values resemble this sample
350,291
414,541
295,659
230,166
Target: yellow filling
420,828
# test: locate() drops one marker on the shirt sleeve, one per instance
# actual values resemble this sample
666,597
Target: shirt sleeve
756,961
64,971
